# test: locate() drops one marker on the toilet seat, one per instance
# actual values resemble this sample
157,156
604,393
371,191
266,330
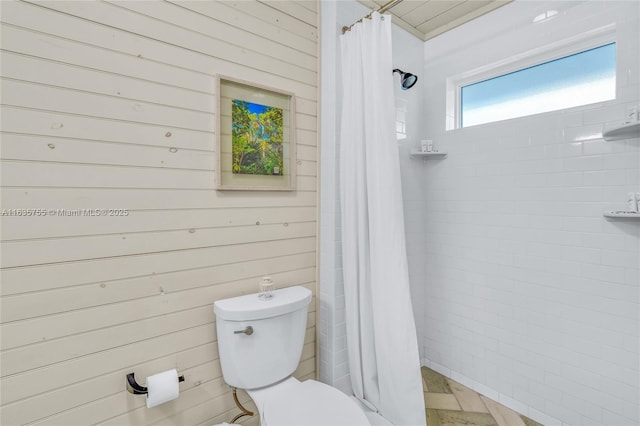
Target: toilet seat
311,403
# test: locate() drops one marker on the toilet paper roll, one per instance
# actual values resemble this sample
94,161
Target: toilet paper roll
162,387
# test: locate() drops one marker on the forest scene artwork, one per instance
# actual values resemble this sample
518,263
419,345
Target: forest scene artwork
256,139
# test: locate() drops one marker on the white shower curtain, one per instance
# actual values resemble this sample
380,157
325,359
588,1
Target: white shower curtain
381,335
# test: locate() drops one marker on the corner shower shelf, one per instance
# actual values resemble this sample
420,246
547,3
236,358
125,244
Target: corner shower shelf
624,131
419,154
622,214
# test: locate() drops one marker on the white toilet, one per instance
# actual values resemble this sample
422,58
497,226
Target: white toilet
260,343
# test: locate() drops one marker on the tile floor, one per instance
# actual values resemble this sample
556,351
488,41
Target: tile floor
451,404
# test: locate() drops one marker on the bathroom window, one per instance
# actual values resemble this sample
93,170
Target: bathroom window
578,79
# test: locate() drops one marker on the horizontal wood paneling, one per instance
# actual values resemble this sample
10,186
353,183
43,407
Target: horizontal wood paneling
70,76
66,175
108,26
35,304
199,364
18,228
111,105
36,96
95,247
91,83
82,151
58,350
19,386
53,351
115,73
269,14
28,279
276,31
47,123
229,279
294,9
142,199
217,31
309,4
92,389
64,373
155,29
58,48
28,173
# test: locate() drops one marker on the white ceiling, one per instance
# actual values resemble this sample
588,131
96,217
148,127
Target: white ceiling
427,18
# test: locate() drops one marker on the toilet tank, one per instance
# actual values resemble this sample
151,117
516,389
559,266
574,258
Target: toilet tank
272,350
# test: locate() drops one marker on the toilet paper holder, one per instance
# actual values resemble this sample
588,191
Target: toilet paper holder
137,389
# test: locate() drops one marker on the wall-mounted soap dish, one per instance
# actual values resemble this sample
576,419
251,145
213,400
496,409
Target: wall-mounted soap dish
624,131
431,154
619,214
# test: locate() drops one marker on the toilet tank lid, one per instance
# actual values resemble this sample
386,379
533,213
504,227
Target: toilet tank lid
250,307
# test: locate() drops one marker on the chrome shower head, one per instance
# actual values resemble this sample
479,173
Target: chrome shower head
407,80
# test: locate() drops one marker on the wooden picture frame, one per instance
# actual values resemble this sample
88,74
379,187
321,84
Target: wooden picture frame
255,137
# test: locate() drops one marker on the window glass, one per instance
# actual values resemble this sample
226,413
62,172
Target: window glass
583,78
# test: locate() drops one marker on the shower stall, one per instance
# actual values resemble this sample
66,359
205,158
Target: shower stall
521,288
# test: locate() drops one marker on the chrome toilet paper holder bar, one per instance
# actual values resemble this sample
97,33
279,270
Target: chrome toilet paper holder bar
137,389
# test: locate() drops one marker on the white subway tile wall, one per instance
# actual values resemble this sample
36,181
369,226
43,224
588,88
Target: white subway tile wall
531,296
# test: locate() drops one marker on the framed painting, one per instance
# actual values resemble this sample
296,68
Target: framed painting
255,137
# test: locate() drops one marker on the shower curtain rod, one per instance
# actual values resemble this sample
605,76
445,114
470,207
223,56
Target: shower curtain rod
382,9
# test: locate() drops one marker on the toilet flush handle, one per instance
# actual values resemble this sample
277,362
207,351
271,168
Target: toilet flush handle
248,331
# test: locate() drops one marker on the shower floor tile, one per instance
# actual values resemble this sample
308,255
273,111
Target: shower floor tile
435,382
450,403
441,401
460,418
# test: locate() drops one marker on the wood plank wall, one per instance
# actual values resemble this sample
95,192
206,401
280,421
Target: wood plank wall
110,105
